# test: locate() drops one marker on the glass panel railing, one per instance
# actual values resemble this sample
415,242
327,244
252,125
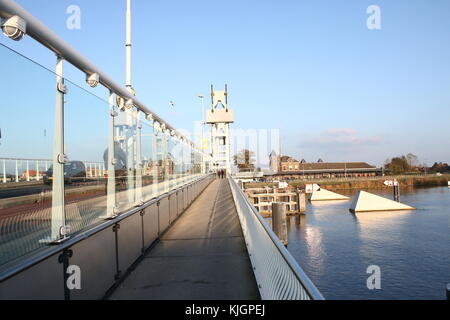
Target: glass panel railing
176,161
86,142
37,205
149,164
125,125
26,144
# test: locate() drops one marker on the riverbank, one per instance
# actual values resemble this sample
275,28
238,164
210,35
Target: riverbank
365,183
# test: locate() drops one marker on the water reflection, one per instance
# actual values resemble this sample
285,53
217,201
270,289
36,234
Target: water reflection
335,247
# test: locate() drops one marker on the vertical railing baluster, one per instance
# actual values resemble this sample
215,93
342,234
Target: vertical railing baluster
37,170
4,171
130,147
138,167
17,171
58,223
166,161
28,171
111,163
154,157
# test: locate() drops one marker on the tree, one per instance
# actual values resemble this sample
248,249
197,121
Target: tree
244,160
440,167
402,164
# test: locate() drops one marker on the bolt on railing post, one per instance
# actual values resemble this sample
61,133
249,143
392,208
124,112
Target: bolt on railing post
59,158
111,163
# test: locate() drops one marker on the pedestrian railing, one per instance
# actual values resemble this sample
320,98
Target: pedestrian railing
138,156
26,170
278,274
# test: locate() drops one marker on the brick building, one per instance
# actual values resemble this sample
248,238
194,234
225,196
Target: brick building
290,168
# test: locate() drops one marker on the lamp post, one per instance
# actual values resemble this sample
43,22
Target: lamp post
128,48
202,97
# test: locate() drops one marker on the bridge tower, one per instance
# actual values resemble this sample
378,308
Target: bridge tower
220,117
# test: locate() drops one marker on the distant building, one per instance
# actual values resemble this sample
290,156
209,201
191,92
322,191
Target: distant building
32,174
288,164
289,168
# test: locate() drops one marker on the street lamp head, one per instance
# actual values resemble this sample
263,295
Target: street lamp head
201,96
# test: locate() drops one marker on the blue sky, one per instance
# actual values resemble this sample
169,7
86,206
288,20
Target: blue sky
334,88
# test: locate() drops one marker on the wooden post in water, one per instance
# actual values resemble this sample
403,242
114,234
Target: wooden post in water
301,202
396,192
279,224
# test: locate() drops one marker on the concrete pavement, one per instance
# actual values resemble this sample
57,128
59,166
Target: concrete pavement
202,256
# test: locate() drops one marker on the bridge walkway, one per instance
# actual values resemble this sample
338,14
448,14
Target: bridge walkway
202,256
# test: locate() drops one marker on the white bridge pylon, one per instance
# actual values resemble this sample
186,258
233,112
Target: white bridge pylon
220,116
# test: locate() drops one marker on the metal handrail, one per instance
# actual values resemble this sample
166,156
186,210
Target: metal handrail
297,271
17,267
42,34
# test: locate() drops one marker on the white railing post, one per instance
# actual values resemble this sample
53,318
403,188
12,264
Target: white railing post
154,160
4,171
59,228
111,163
37,170
165,161
17,171
28,171
138,192
130,145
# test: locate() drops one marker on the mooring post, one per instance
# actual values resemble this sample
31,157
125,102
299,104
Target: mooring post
279,224
301,202
396,192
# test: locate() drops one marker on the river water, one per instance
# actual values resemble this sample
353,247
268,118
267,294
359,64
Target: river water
412,248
